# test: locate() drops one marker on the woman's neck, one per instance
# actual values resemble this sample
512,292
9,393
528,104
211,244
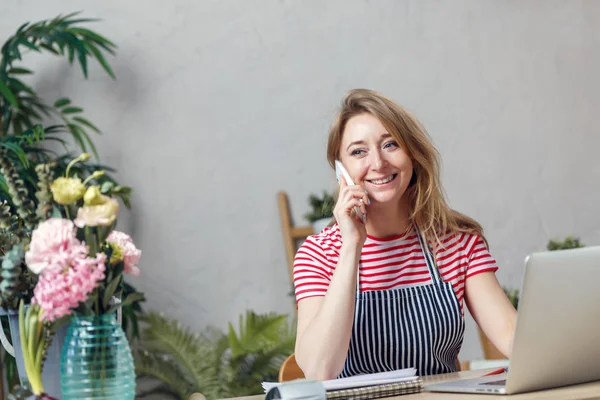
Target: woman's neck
387,220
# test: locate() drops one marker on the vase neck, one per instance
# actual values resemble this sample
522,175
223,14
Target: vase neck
105,319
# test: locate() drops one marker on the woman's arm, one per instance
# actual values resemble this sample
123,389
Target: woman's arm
492,310
325,323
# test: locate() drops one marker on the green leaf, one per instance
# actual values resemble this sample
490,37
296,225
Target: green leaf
62,102
20,86
37,104
17,126
76,45
87,123
110,290
50,49
6,118
76,133
90,143
59,140
33,135
68,21
106,186
28,44
71,110
15,148
22,28
56,212
93,35
82,57
234,342
70,52
8,95
19,71
81,137
132,298
100,59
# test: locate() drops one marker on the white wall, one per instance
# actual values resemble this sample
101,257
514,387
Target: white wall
220,104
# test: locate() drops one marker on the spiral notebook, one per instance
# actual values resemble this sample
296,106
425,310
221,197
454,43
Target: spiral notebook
369,386
414,385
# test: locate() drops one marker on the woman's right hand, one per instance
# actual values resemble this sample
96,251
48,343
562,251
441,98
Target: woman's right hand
352,227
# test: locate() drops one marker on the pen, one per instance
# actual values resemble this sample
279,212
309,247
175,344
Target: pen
497,371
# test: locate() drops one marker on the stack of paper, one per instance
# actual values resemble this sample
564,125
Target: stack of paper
380,378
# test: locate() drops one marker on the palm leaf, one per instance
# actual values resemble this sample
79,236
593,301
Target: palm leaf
18,151
191,352
56,35
87,123
100,58
163,369
8,95
19,71
258,332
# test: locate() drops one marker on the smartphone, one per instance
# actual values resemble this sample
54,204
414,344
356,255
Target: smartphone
341,171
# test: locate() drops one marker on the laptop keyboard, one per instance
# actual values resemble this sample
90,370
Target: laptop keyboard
501,382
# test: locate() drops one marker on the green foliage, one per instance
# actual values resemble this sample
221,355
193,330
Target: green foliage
27,164
513,296
17,283
62,36
321,207
11,271
213,363
10,231
570,242
44,195
22,111
131,312
19,195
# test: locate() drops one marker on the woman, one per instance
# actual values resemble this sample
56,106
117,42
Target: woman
388,291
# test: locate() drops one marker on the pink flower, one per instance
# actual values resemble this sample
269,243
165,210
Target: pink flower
130,254
53,245
58,292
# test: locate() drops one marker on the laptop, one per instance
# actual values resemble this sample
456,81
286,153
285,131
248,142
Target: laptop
557,337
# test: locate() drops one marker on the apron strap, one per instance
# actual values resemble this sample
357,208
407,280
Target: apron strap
429,258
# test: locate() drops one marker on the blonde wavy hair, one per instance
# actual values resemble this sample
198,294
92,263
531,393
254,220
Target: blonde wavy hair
429,210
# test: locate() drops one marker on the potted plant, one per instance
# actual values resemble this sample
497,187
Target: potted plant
321,211
490,352
75,260
217,364
23,140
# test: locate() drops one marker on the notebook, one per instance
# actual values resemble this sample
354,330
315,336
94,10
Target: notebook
369,386
414,385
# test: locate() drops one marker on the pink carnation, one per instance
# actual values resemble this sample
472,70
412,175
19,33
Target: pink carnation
131,254
53,244
58,292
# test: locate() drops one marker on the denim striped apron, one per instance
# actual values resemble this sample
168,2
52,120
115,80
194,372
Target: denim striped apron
418,327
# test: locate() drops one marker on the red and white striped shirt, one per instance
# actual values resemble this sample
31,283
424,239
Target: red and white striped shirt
391,263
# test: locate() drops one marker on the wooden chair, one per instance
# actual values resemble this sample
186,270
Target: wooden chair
291,233
290,370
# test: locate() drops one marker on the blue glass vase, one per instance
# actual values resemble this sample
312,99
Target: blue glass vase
96,360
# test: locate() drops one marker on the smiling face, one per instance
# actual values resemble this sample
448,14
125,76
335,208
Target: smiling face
374,159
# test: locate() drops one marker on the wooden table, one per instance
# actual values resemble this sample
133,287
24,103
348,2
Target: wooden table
587,391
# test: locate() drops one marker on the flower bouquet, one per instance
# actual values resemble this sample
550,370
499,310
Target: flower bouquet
75,261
